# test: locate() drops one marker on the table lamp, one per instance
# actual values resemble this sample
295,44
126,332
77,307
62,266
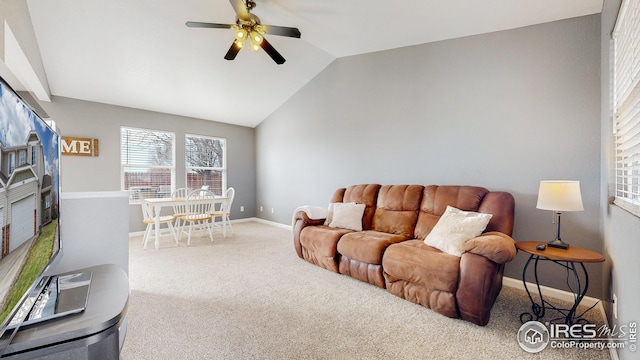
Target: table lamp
559,196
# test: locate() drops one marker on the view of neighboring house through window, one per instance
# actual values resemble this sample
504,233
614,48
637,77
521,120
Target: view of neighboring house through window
626,102
205,163
148,163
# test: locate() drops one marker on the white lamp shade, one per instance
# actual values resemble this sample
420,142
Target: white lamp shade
560,195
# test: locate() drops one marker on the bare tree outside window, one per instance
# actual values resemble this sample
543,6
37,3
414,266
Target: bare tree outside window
205,163
148,167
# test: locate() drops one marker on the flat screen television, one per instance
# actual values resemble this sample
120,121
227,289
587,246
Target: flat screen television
29,210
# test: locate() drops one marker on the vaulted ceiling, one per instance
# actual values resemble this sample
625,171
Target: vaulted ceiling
140,54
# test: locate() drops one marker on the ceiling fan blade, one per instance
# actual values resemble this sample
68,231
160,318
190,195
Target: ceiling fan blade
281,31
241,9
272,52
233,51
196,24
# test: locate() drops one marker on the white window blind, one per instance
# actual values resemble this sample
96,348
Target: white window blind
626,96
148,166
205,163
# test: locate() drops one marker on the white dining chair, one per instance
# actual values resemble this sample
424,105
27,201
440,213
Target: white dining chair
150,220
199,213
225,211
180,210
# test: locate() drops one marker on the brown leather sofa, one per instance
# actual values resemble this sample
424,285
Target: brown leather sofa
390,251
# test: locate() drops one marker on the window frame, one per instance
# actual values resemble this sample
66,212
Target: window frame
172,167
222,169
625,96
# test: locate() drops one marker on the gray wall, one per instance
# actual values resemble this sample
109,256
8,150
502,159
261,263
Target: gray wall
502,110
621,229
94,120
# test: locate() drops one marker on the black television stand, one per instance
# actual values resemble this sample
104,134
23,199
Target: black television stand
96,333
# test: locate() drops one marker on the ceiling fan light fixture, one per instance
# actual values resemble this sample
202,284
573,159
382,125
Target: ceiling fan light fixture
241,34
256,40
248,28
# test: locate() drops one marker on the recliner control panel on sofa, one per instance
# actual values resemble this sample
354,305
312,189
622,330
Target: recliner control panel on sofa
443,247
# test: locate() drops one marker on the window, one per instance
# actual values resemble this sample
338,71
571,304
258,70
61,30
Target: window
148,165
205,163
626,102
22,157
33,155
12,162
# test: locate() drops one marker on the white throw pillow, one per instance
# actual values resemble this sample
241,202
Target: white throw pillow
456,227
347,216
327,221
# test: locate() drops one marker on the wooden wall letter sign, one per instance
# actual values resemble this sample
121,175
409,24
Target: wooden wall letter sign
79,146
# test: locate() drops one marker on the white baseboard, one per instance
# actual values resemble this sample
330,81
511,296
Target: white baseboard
165,231
272,223
548,291
244,220
136,233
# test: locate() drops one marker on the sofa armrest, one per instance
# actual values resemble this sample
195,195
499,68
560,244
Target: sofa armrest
481,268
495,246
479,284
300,221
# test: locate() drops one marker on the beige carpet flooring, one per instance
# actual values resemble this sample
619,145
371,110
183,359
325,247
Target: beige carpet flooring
248,296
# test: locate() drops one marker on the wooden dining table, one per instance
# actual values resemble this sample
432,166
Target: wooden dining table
159,203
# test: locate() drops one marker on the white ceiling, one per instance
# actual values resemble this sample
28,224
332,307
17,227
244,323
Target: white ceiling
140,54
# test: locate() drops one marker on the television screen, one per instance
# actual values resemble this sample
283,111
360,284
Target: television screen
29,189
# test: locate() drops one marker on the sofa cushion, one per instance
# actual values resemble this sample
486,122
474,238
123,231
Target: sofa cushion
397,209
367,246
366,194
321,240
347,216
415,262
456,227
435,200
502,205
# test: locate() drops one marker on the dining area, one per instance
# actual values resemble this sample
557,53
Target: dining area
186,213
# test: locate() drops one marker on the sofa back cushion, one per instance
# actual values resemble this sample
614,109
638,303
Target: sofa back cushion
502,206
435,199
397,209
366,194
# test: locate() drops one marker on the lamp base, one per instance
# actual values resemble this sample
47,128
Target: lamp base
557,243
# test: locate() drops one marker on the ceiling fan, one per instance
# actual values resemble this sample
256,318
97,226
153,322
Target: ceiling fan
248,29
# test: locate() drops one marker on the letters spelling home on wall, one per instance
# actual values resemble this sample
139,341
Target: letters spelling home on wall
79,146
